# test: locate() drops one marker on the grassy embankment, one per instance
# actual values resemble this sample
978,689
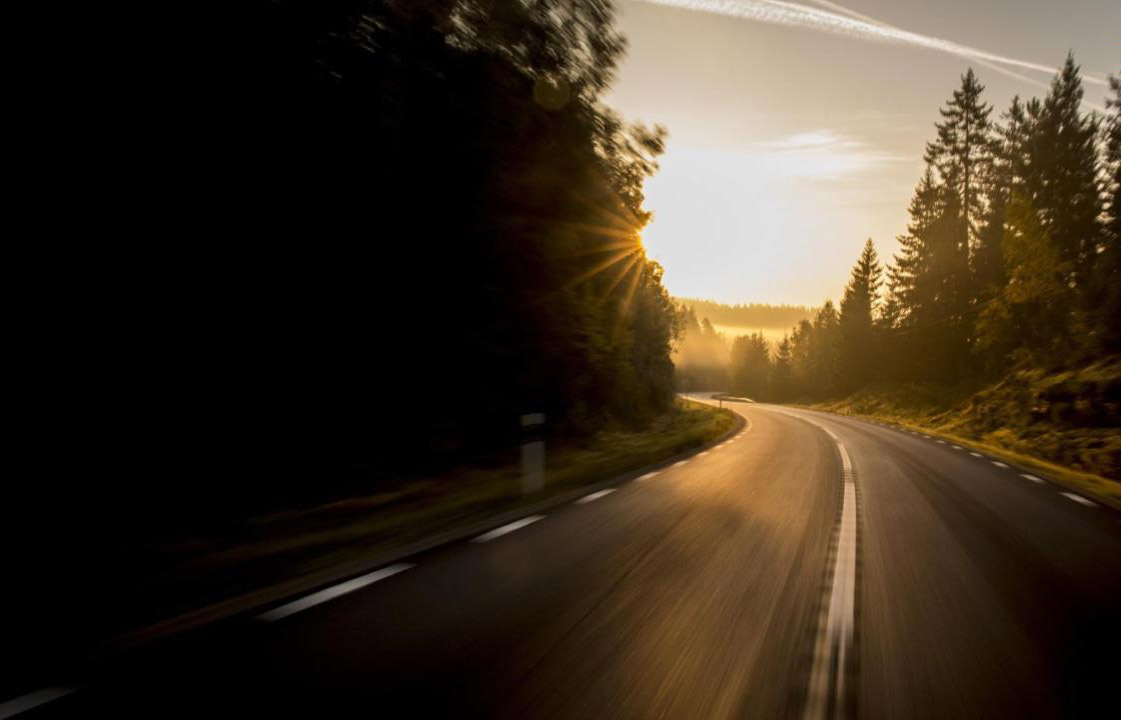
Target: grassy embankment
1066,425
309,540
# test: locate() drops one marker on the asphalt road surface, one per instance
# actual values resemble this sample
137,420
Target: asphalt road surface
813,566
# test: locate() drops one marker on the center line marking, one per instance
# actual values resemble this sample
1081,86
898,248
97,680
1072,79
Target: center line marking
508,528
1079,499
1000,464
1033,478
834,639
331,593
649,475
594,496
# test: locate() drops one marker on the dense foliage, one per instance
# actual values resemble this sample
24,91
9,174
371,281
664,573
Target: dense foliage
310,169
452,151
1012,258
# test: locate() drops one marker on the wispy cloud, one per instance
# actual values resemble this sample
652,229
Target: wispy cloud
819,154
800,141
840,21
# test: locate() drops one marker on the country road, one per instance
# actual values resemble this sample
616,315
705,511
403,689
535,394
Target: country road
812,566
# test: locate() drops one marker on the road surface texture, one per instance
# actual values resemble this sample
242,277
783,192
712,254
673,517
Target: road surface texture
813,566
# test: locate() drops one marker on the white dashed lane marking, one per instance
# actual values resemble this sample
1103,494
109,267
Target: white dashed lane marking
1033,478
976,454
1079,499
347,587
957,447
702,454
649,475
594,496
32,700
679,463
508,528
1000,464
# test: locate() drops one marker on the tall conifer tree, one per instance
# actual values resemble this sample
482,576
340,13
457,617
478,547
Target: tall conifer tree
857,312
1061,177
1107,296
962,152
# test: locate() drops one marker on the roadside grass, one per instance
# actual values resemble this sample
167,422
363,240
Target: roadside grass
308,540
1064,425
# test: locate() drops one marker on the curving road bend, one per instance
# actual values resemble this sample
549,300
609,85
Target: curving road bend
813,566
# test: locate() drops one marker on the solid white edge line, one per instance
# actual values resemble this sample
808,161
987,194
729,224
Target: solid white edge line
332,592
507,528
649,475
594,496
33,700
1079,499
1033,478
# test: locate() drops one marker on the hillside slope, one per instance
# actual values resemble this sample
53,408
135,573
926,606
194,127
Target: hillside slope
1070,418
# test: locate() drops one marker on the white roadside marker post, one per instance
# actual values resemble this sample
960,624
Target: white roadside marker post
533,453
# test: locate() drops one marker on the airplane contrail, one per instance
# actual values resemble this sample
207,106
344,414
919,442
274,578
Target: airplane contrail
990,65
853,25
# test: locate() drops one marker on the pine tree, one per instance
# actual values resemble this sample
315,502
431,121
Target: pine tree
825,365
887,326
751,366
1061,176
858,308
912,263
801,371
962,152
931,281
1033,317
781,374
1007,176
1108,272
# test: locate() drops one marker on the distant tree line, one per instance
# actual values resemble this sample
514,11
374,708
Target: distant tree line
1012,257
758,315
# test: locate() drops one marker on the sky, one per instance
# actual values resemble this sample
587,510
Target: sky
796,129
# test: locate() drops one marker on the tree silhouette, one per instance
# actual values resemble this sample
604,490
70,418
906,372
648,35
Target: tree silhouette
858,309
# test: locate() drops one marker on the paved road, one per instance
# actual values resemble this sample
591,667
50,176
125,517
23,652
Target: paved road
812,566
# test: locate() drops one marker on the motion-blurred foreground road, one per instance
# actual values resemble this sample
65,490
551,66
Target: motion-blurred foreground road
708,590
